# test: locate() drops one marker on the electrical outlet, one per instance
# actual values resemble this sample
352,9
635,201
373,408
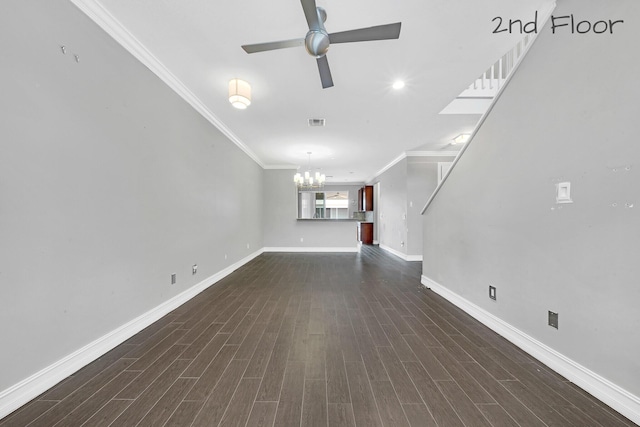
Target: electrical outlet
173,279
194,269
301,239
553,319
225,256
248,246
492,292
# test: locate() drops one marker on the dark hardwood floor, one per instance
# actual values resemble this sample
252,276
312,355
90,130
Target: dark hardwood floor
317,340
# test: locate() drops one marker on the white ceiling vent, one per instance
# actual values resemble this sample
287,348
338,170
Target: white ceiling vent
316,122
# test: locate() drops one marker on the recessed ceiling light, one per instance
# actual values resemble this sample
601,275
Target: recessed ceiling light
461,139
398,84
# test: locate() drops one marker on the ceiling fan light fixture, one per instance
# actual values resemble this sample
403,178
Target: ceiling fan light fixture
398,84
239,93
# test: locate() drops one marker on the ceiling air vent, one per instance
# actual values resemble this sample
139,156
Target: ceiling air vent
316,122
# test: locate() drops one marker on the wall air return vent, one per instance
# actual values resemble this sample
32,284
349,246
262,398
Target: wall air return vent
316,122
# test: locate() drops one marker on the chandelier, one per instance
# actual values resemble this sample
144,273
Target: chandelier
308,182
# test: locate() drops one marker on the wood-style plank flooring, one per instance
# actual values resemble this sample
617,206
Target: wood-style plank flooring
317,340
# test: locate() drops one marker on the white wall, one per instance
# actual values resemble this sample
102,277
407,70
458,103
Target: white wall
283,231
109,182
569,114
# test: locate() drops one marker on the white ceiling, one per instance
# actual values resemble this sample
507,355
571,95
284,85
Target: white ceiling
443,46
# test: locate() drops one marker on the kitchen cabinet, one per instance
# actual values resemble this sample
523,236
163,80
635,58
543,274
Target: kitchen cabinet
365,198
366,233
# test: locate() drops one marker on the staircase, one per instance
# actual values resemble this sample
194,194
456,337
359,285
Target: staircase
478,96
491,80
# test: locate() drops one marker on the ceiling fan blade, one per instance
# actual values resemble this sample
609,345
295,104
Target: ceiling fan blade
379,32
325,72
283,44
311,13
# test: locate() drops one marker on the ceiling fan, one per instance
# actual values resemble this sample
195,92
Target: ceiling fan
338,196
317,40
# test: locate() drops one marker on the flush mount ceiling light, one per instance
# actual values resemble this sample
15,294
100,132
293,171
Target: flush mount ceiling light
398,84
461,139
239,93
308,182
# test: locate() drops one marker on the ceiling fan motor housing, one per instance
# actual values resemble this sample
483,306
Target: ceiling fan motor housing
317,39
317,43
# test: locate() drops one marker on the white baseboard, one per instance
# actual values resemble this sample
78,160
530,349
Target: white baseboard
26,390
400,254
393,251
310,249
611,394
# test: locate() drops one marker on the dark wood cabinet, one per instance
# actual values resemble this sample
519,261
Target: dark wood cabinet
368,198
365,204
365,198
366,233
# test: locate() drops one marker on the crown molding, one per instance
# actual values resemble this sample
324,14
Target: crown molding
287,167
431,153
98,14
388,166
344,183
412,154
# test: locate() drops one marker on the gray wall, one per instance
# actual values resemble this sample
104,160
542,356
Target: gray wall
392,205
422,179
569,114
109,182
404,189
283,230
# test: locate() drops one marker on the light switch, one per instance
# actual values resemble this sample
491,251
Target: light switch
563,192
